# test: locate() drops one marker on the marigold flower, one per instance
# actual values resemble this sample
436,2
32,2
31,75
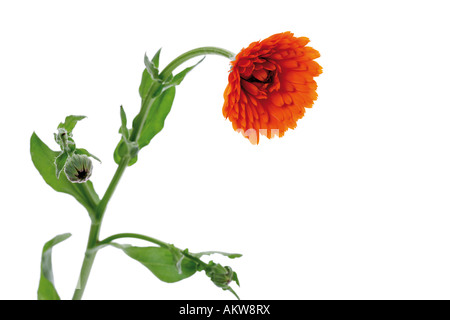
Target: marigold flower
270,84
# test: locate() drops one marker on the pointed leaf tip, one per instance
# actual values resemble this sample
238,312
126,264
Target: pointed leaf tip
123,118
155,58
152,69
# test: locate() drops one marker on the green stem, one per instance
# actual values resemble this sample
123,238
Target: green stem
135,236
94,232
145,109
88,261
192,54
149,239
101,208
92,202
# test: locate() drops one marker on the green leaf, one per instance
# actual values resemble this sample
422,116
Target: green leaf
46,290
123,128
121,150
170,264
87,153
145,85
160,261
207,253
152,126
124,146
60,162
156,117
177,79
151,66
177,256
160,107
155,58
149,75
235,278
70,122
43,158
144,88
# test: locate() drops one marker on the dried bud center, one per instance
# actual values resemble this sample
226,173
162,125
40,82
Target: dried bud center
83,174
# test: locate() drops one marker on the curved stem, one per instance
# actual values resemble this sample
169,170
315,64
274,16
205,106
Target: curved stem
145,108
149,239
192,54
135,236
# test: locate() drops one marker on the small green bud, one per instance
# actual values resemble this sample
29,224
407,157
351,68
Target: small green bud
61,137
220,276
78,168
65,140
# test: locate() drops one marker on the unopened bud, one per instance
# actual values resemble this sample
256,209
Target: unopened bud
78,168
220,276
65,140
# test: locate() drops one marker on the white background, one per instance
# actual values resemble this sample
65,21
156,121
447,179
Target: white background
353,204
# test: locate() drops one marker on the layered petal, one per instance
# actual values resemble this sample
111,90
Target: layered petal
270,84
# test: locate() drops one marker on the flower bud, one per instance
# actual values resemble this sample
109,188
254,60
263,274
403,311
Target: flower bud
78,168
220,276
65,140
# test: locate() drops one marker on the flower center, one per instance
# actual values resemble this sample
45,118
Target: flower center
265,77
259,76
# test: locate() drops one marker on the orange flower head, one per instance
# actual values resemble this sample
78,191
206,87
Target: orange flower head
270,84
